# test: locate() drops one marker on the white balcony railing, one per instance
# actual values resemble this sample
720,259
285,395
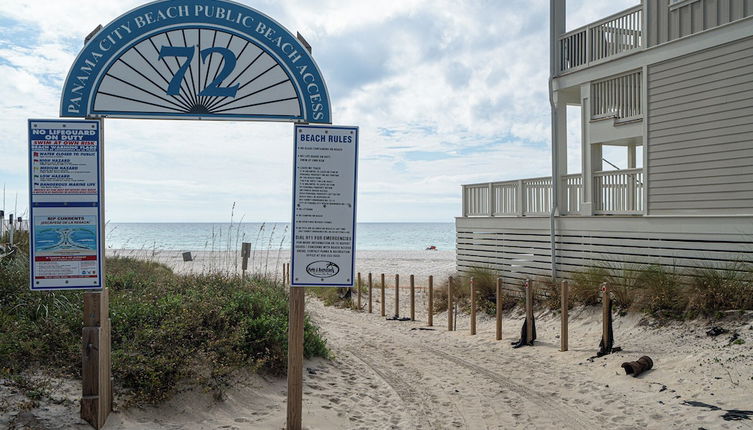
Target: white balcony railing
618,192
616,34
617,97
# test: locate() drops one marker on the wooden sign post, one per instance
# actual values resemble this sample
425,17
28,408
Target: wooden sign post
96,400
295,357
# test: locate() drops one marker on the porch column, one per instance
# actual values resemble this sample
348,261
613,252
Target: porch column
631,184
631,156
586,152
559,153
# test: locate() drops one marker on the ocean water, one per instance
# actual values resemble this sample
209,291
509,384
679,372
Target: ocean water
225,236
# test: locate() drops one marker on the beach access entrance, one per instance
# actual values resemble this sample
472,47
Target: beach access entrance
186,59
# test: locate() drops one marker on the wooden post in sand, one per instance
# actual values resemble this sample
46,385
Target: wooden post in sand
605,314
359,291
397,296
449,304
499,308
430,306
370,295
473,306
529,311
96,354
96,400
412,299
295,358
564,301
245,254
382,294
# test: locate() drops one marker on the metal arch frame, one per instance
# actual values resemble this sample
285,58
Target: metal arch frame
85,94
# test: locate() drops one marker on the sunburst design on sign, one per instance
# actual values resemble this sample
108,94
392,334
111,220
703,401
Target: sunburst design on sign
197,72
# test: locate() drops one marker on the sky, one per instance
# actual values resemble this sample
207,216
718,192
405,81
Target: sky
444,92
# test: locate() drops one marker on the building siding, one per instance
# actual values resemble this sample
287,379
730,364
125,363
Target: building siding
700,132
667,23
520,248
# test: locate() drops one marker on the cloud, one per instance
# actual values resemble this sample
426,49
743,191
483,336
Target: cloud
444,93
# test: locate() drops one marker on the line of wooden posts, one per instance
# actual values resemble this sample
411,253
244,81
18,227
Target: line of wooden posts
527,286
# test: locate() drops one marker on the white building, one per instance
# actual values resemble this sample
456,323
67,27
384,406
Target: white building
670,82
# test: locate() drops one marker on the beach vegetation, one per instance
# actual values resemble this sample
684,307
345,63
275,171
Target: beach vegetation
664,292
168,329
330,296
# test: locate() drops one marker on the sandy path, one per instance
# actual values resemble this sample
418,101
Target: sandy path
434,379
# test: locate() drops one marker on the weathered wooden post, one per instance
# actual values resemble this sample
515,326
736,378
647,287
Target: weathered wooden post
605,314
499,309
295,357
473,306
245,254
431,302
11,229
359,291
397,296
96,400
564,299
529,311
449,304
370,295
2,224
382,298
412,298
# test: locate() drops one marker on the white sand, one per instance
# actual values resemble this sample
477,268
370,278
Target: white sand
421,264
391,375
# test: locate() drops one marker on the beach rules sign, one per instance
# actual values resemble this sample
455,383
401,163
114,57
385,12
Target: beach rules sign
65,200
324,206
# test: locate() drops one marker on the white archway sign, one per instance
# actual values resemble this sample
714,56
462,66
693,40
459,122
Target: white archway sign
194,59
181,59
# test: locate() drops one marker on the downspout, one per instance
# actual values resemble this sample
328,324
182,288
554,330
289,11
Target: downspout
555,153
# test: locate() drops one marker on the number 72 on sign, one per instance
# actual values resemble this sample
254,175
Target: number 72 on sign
187,52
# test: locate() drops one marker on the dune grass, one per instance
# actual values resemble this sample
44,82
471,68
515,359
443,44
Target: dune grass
659,291
167,329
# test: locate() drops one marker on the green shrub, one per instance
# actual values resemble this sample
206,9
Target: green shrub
166,328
